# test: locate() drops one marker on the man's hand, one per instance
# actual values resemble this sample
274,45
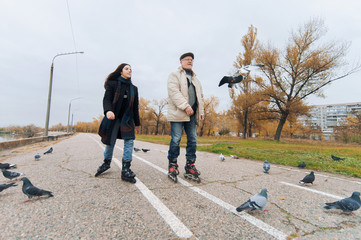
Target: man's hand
110,115
202,117
137,128
189,111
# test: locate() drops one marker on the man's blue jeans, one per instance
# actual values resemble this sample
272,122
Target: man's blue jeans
127,151
176,129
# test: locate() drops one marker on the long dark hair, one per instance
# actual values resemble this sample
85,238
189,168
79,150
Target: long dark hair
115,74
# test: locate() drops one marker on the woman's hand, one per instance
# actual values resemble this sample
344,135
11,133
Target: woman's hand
110,115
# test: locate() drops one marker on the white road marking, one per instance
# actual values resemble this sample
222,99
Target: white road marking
256,222
312,190
174,223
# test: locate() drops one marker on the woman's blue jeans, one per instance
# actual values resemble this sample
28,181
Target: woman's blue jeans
176,129
127,151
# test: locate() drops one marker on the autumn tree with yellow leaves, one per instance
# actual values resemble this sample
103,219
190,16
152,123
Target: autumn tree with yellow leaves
303,68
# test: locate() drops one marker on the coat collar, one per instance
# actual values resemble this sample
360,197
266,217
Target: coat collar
180,69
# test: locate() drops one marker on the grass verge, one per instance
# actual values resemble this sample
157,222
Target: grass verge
316,155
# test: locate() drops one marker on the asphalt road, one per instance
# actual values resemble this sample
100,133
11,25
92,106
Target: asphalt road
85,207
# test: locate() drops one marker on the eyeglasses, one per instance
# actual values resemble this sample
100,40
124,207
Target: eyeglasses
188,59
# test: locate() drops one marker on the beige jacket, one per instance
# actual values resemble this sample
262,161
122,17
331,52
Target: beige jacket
178,96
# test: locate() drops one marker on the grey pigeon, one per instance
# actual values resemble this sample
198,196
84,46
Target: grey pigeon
266,166
222,157
145,150
31,191
308,178
302,165
49,151
11,175
336,158
5,186
136,149
229,147
37,156
231,80
258,201
7,165
347,205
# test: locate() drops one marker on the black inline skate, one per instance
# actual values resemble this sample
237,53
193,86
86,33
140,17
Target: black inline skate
127,174
173,171
192,173
105,166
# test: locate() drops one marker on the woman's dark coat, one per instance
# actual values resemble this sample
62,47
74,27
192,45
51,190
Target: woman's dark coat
109,106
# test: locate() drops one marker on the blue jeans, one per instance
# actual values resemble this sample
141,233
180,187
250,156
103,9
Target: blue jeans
127,151
176,129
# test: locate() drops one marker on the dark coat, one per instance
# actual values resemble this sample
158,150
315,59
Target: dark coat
116,108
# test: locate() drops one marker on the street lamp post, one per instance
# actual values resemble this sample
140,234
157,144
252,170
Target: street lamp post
50,88
68,126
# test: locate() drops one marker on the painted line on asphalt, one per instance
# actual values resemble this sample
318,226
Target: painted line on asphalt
312,190
174,223
256,222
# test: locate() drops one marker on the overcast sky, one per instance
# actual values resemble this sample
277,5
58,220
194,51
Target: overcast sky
150,35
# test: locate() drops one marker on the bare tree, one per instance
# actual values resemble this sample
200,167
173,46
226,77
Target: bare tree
158,113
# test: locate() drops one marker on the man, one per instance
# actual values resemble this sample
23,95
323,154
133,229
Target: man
185,110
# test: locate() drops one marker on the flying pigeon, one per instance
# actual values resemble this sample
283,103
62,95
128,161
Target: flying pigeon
302,165
37,156
11,175
258,201
266,166
231,80
7,165
222,157
136,149
145,150
337,158
308,178
5,186
347,205
31,191
49,151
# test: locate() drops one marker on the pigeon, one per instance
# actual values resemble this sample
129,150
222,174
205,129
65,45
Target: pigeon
235,157
337,158
31,191
136,149
308,178
258,201
229,147
222,157
49,151
347,205
7,165
5,186
37,156
11,175
145,150
231,80
302,165
266,166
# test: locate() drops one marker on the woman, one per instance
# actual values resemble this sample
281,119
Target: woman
120,105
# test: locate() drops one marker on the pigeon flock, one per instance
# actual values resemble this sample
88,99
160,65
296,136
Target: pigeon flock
28,188
259,201
256,202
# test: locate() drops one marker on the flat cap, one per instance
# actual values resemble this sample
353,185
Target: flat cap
188,54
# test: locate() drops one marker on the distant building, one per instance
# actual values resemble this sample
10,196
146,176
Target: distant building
328,116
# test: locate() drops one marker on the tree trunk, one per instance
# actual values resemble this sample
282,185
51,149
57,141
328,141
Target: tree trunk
245,124
280,126
201,130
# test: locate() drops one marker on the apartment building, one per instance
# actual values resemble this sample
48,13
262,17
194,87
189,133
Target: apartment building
328,116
